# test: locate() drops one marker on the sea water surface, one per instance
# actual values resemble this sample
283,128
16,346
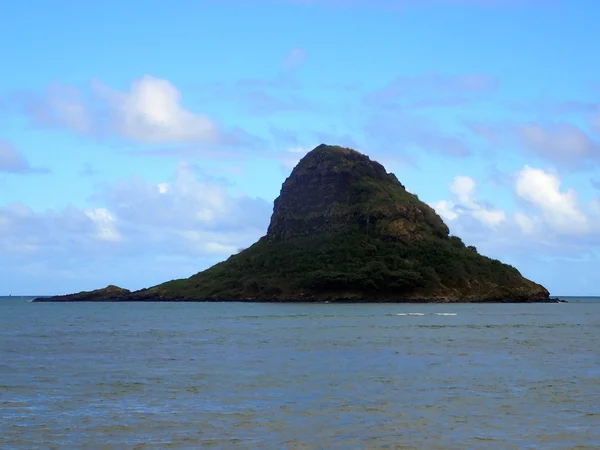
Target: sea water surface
299,376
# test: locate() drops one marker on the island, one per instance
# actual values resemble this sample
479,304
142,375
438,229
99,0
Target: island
343,229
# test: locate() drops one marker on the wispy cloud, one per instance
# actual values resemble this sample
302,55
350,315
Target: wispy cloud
430,90
295,58
400,5
561,143
411,133
265,103
87,170
13,161
236,144
61,106
262,96
595,122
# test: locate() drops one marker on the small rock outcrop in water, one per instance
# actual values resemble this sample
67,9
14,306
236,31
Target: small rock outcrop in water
110,293
343,229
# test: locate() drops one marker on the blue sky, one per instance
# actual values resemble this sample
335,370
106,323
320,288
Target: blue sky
145,141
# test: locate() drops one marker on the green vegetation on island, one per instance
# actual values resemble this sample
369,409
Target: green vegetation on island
343,229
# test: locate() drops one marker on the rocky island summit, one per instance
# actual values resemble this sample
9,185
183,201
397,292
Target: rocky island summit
343,229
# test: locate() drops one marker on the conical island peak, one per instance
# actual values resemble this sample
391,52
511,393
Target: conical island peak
335,189
344,229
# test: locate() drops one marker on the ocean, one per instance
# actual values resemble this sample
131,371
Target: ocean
299,376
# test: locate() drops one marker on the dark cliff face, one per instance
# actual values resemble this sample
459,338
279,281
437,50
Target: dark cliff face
333,188
343,229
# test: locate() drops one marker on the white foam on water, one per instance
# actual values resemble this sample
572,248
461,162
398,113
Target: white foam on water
423,314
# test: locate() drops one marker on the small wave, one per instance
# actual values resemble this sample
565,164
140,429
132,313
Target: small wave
423,314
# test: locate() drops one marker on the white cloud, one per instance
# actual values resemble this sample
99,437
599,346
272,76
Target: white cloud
105,224
152,112
559,209
463,188
51,232
63,106
491,218
163,188
187,207
170,229
547,220
445,209
547,210
466,203
525,223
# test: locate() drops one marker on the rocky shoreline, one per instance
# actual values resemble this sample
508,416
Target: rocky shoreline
117,294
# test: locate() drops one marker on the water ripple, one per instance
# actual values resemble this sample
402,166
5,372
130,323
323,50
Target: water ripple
241,375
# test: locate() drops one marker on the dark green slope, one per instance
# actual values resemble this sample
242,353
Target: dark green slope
343,229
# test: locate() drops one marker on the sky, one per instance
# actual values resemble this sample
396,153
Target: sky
143,141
